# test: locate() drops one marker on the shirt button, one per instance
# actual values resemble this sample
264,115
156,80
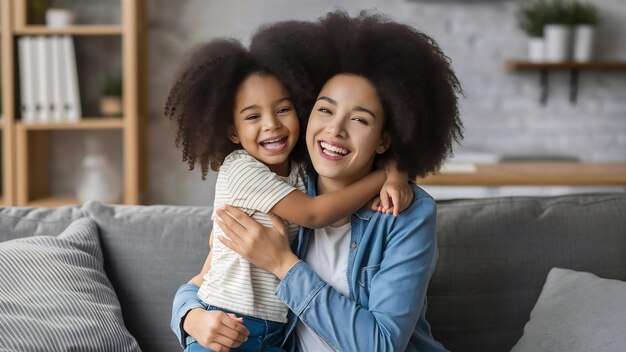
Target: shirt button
353,245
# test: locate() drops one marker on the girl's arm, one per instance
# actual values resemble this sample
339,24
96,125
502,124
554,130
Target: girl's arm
323,210
396,194
408,262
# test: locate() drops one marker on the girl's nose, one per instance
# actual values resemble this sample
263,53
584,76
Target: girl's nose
271,122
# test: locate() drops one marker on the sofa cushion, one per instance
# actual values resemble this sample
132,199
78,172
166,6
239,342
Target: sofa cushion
495,253
56,296
577,312
23,222
149,251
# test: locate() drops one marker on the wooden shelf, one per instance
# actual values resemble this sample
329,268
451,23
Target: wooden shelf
571,174
572,67
513,66
84,124
72,30
53,202
26,148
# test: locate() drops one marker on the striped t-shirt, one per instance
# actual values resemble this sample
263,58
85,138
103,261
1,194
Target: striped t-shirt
233,283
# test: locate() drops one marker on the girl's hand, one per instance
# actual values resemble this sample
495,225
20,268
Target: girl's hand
395,196
215,330
266,247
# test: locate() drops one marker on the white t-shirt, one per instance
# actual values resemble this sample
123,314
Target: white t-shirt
327,254
233,283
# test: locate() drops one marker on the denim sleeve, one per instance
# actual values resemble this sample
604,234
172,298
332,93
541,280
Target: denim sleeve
397,292
186,299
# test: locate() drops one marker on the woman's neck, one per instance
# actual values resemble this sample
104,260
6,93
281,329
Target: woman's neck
325,185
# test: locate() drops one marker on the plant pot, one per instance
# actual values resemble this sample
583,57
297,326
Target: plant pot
57,18
583,42
111,106
558,37
536,49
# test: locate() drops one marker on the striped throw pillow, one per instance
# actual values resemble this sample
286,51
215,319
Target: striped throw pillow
55,295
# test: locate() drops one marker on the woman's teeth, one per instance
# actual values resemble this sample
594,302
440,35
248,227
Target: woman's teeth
333,150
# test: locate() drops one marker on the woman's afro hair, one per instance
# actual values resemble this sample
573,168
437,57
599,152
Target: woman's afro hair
414,79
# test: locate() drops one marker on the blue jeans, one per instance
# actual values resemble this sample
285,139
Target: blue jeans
265,335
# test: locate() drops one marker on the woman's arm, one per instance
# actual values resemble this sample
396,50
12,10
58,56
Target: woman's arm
408,262
323,210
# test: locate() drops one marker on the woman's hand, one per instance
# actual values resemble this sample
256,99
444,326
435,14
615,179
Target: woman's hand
215,330
266,247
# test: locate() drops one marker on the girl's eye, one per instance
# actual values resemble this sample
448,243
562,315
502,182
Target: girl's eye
251,117
283,110
360,120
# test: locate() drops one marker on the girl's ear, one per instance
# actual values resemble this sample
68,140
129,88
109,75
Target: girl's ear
383,143
232,135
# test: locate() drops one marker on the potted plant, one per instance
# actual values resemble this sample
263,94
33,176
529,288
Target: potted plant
111,96
59,15
531,19
557,31
585,18
36,11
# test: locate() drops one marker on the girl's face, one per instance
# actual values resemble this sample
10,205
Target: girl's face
265,121
345,129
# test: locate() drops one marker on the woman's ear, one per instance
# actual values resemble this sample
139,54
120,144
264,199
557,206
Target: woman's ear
383,143
232,135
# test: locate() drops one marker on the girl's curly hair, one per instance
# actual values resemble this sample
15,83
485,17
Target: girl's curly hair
414,78
202,99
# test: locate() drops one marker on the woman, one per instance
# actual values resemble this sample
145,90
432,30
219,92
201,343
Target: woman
361,283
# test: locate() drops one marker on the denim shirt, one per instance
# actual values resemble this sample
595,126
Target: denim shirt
390,262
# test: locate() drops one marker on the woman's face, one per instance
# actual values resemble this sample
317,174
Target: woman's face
265,121
345,129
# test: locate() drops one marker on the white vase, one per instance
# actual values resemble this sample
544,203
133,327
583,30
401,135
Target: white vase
583,42
57,18
536,48
98,180
558,37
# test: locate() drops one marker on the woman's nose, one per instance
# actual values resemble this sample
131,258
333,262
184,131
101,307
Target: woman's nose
335,127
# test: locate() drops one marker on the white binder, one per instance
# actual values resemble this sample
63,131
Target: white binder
27,99
41,80
74,111
59,96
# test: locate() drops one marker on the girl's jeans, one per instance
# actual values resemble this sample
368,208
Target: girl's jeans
265,335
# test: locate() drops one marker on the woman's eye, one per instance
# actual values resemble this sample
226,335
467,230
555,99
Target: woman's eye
324,110
283,110
360,120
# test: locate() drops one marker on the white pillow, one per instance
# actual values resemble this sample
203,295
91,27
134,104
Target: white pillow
577,311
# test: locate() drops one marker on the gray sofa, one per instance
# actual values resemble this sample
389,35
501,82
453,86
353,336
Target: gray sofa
495,254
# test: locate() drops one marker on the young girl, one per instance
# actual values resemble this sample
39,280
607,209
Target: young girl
234,115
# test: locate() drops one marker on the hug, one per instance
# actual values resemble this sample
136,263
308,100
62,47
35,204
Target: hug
320,242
